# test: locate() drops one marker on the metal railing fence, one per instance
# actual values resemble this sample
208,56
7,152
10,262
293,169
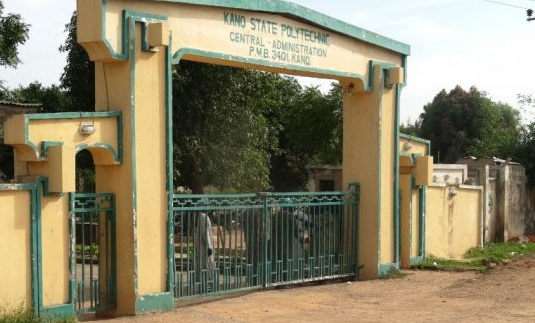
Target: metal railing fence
230,242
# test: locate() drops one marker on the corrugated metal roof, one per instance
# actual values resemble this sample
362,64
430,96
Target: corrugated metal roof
19,104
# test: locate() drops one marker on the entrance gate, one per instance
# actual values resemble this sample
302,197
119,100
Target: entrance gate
236,242
92,255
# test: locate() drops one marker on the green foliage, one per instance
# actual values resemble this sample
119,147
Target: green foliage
223,125
87,250
78,78
410,128
498,252
13,32
52,98
525,149
311,133
26,316
85,172
451,264
5,94
480,258
463,122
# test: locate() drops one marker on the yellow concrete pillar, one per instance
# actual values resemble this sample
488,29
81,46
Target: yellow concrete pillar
137,88
368,158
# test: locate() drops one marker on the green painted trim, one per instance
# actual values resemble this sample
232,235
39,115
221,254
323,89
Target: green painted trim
123,55
371,75
72,249
60,311
170,165
291,10
416,260
386,269
72,115
380,170
397,199
260,62
413,138
404,154
116,157
42,154
356,188
34,246
16,187
155,302
41,186
423,212
45,145
132,61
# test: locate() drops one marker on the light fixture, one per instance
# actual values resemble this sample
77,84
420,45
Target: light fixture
87,129
453,192
407,146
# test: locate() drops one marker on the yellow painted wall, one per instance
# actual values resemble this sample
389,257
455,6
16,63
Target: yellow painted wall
118,178
148,209
416,147
203,28
150,170
15,271
55,253
453,222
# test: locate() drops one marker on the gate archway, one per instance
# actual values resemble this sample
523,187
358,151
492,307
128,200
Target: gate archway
136,44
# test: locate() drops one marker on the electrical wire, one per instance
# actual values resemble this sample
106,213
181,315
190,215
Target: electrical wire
507,4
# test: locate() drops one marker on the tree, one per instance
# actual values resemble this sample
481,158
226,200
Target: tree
410,128
78,77
311,134
13,32
224,126
468,122
52,98
525,150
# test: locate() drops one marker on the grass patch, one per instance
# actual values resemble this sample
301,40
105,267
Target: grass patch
26,316
481,259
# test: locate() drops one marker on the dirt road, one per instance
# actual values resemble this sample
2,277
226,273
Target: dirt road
506,294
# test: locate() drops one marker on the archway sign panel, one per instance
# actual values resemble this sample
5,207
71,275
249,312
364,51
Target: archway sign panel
135,43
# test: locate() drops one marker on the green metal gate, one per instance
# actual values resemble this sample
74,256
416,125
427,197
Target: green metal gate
230,242
92,255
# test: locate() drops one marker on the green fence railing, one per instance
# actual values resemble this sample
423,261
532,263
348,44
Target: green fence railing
230,242
93,266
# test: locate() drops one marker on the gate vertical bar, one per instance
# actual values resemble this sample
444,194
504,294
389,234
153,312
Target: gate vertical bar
355,188
72,255
264,240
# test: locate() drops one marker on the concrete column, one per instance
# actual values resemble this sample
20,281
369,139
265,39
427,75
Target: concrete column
368,158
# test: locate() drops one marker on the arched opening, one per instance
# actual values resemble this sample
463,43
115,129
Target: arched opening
85,172
6,162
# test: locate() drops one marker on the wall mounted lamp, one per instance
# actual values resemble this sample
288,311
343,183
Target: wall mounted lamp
86,129
407,146
350,89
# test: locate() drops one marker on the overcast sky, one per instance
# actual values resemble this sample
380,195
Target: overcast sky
478,43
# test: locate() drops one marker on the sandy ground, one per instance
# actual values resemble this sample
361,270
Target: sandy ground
505,294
